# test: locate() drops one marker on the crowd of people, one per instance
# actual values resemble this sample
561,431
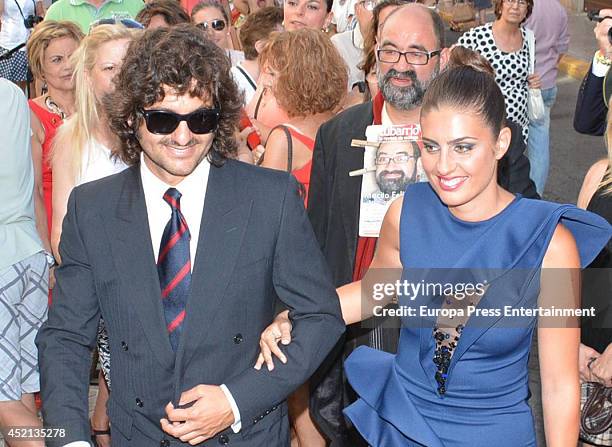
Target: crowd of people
183,192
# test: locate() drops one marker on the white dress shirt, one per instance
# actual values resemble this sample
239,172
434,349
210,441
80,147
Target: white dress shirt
193,191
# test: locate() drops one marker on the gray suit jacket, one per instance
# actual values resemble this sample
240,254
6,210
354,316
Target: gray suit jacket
256,245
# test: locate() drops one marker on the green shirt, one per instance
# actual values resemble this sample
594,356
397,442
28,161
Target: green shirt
84,13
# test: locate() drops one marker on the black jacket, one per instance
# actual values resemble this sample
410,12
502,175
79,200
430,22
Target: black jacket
591,110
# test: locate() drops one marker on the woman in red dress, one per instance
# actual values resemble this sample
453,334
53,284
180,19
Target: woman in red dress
308,78
49,49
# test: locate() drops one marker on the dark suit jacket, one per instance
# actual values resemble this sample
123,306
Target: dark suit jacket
591,110
255,245
333,208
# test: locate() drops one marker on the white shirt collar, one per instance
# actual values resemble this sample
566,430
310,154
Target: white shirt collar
193,191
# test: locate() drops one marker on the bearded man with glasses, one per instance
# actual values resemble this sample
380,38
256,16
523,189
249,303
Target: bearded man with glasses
162,251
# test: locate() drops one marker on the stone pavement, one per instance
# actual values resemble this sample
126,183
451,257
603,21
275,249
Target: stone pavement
581,48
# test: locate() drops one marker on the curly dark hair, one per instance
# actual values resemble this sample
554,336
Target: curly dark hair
183,59
171,10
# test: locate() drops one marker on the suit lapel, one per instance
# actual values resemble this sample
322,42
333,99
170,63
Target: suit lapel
139,272
224,221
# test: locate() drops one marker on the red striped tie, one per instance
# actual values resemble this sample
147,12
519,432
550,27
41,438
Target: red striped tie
174,267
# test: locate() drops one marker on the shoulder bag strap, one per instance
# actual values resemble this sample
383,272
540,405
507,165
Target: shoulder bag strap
258,104
289,146
531,45
20,10
246,75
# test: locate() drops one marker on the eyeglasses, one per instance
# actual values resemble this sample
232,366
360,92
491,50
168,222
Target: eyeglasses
164,122
412,57
382,160
128,23
521,3
217,25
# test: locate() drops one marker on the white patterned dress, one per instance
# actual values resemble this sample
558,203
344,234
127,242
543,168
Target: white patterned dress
511,70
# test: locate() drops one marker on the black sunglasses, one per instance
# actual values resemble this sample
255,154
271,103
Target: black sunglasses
217,25
164,122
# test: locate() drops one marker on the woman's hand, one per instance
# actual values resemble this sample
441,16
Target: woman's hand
586,354
534,81
279,330
601,367
244,152
262,130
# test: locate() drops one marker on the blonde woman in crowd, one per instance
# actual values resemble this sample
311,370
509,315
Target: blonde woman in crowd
49,49
83,152
595,360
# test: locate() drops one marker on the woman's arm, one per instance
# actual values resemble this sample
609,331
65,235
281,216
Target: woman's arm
558,341
355,305
38,136
63,183
358,304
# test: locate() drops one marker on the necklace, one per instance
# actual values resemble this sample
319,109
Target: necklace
52,106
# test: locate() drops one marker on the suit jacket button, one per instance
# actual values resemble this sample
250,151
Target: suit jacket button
238,339
124,346
140,404
223,440
164,443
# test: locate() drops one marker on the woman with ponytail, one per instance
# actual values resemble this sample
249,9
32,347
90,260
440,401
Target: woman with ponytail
482,262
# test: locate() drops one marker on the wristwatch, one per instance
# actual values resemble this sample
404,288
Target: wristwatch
51,262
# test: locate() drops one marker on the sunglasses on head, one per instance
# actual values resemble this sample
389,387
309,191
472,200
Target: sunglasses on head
217,25
164,122
128,23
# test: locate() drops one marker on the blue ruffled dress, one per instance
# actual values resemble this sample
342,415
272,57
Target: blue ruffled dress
477,396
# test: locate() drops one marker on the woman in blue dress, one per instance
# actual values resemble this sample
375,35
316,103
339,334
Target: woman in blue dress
460,378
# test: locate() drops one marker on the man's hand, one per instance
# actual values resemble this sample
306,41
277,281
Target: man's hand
601,33
601,368
586,354
210,414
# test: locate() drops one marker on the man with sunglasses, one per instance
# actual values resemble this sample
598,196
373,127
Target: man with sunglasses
410,53
184,255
